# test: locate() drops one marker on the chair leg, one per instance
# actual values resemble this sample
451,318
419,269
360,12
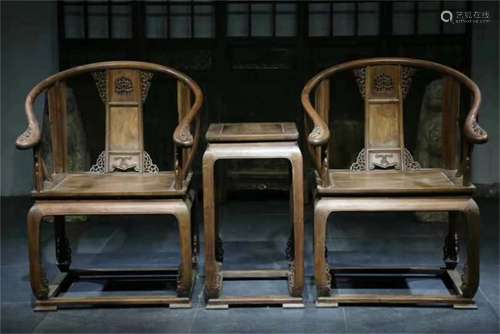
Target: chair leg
63,249
471,268
39,282
185,279
321,270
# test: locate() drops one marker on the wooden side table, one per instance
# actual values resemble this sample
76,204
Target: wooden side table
252,141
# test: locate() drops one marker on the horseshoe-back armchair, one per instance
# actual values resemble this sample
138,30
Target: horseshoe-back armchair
123,180
385,177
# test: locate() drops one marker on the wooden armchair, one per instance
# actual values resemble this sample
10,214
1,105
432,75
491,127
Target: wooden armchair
385,177
124,179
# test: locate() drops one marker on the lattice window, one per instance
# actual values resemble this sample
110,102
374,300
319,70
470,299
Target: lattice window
196,19
328,19
424,17
180,19
97,19
267,19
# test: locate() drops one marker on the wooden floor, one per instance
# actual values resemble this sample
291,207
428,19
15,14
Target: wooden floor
419,181
84,184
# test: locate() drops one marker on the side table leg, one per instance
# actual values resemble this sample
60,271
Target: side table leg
297,282
219,245
213,280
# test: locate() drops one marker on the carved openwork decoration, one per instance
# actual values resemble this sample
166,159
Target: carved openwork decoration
360,75
145,84
360,163
408,162
100,165
101,82
123,86
383,83
328,275
148,166
406,79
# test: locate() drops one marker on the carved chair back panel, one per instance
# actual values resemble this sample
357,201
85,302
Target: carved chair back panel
123,91
384,88
124,125
383,117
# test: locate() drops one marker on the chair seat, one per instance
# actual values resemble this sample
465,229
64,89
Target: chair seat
433,181
117,184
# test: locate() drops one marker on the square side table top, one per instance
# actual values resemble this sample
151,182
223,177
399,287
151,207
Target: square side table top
251,132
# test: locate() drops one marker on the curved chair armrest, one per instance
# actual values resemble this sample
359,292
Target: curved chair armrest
182,134
474,133
29,138
320,132
32,135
